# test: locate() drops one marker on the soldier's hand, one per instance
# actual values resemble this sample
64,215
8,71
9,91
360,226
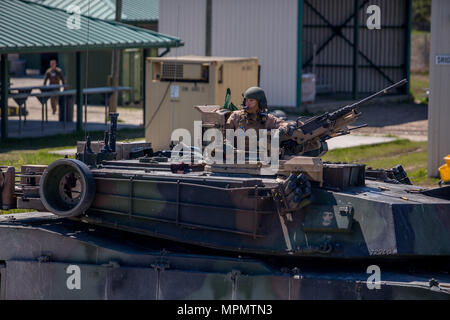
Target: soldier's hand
291,129
287,131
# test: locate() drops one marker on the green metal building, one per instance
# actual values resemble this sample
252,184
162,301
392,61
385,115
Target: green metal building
139,13
28,27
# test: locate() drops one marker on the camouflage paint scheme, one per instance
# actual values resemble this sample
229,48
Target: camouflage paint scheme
153,234
222,211
37,248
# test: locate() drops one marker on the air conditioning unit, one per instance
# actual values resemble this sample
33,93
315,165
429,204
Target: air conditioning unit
183,71
176,84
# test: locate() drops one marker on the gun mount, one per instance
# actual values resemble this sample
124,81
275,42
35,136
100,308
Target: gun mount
309,138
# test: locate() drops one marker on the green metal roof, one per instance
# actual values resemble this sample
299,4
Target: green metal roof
31,27
132,10
140,10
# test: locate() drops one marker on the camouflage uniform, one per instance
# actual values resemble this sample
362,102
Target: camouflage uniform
54,76
242,120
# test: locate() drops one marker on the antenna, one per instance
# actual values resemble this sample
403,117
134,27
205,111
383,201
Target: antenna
176,61
86,71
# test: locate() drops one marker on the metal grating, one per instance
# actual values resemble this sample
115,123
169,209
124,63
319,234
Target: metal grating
172,71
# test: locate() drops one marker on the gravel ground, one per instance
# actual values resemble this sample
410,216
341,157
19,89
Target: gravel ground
405,120
409,120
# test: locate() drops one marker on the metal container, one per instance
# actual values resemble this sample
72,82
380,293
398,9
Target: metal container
175,85
7,182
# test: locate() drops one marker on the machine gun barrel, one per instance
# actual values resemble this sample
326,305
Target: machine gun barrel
336,114
379,93
309,135
358,127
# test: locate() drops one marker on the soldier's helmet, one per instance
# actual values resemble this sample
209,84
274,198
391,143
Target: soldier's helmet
258,94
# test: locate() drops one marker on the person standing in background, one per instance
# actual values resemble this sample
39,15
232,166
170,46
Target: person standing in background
54,75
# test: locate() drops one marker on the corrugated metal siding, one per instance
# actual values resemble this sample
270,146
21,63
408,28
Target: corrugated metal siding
132,10
268,29
30,27
186,20
439,105
101,9
265,29
385,47
140,10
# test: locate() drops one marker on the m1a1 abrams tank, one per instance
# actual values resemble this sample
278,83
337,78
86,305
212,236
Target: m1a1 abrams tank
154,228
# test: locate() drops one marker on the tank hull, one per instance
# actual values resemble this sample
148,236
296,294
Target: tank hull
239,214
39,250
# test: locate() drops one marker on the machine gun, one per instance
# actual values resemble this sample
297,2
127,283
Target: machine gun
309,138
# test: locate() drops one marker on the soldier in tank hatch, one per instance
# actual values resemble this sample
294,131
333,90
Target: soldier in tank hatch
255,114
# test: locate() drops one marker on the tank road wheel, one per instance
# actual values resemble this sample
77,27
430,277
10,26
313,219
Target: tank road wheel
67,187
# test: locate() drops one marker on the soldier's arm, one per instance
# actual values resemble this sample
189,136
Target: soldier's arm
61,75
276,123
231,121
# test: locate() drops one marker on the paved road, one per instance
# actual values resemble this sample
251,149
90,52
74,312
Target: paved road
352,140
405,120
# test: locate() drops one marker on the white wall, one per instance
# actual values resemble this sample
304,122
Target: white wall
266,29
439,104
184,19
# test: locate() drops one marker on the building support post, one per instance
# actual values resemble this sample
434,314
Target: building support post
208,28
408,44
115,67
355,49
146,53
299,51
4,94
79,93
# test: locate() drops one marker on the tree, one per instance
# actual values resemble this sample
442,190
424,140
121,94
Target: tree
421,14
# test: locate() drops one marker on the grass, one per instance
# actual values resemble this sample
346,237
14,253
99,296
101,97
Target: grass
62,141
18,152
420,65
415,32
419,84
12,211
412,155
